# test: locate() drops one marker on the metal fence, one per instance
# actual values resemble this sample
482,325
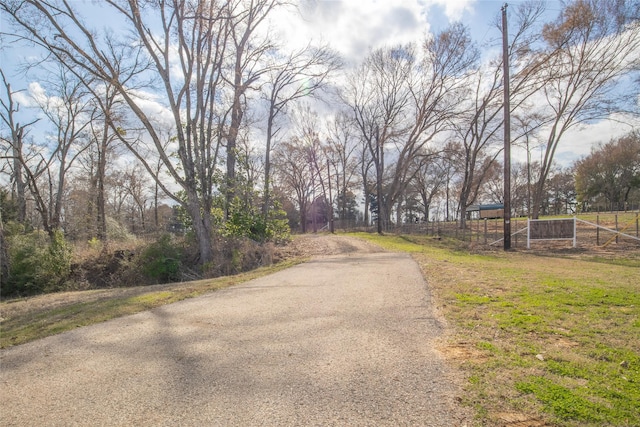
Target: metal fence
616,230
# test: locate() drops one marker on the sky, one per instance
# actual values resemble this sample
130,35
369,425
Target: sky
354,27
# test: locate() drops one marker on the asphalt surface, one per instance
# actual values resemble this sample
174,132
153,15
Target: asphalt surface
340,340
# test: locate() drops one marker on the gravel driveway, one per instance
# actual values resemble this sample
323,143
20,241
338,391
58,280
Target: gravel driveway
340,340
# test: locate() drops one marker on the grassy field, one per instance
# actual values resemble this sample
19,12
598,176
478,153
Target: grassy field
543,340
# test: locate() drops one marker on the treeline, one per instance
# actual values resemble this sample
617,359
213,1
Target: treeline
609,178
194,118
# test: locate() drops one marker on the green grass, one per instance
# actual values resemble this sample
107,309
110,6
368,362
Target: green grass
47,320
553,339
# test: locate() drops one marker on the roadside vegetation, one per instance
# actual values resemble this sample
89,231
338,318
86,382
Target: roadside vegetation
543,340
35,262
27,319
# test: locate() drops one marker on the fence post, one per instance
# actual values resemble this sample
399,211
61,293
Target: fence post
616,229
598,230
485,231
575,231
528,233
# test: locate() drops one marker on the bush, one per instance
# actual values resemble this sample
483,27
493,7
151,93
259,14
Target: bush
234,255
38,263
247,221
117,231
161,260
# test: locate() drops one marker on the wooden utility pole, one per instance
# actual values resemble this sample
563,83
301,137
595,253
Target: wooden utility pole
507,133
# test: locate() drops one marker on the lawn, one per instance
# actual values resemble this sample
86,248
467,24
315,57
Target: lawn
543,340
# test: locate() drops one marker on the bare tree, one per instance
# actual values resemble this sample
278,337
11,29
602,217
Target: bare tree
590,47
137,190
366,165
204,57
342,146
46,165
295,175
378,95
15,144
298,75
480,124
67,109
440,86
248,67
402,99
104,117
528,124
307,134
478,130
430,178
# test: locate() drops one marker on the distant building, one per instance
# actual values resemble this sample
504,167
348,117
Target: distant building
485,211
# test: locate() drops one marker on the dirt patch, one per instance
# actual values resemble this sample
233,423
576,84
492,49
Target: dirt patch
312,245
514,419
461,352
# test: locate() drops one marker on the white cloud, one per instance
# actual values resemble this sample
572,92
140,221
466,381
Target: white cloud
453,9
354,27
37,93
152,106
579,141
27,98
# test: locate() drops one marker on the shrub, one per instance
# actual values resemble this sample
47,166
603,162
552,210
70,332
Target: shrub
38,263
117,231
248,222
161,260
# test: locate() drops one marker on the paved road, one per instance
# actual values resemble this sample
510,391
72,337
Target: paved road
340,340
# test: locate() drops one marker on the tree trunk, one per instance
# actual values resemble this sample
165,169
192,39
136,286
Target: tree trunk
379,163
201,227
236,119
4,254
21,186
101,176
267,169
379,196
537,199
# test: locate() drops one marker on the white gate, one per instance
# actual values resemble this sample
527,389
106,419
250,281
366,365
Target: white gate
551,229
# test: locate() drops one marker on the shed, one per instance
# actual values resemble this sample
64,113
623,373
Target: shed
495,210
